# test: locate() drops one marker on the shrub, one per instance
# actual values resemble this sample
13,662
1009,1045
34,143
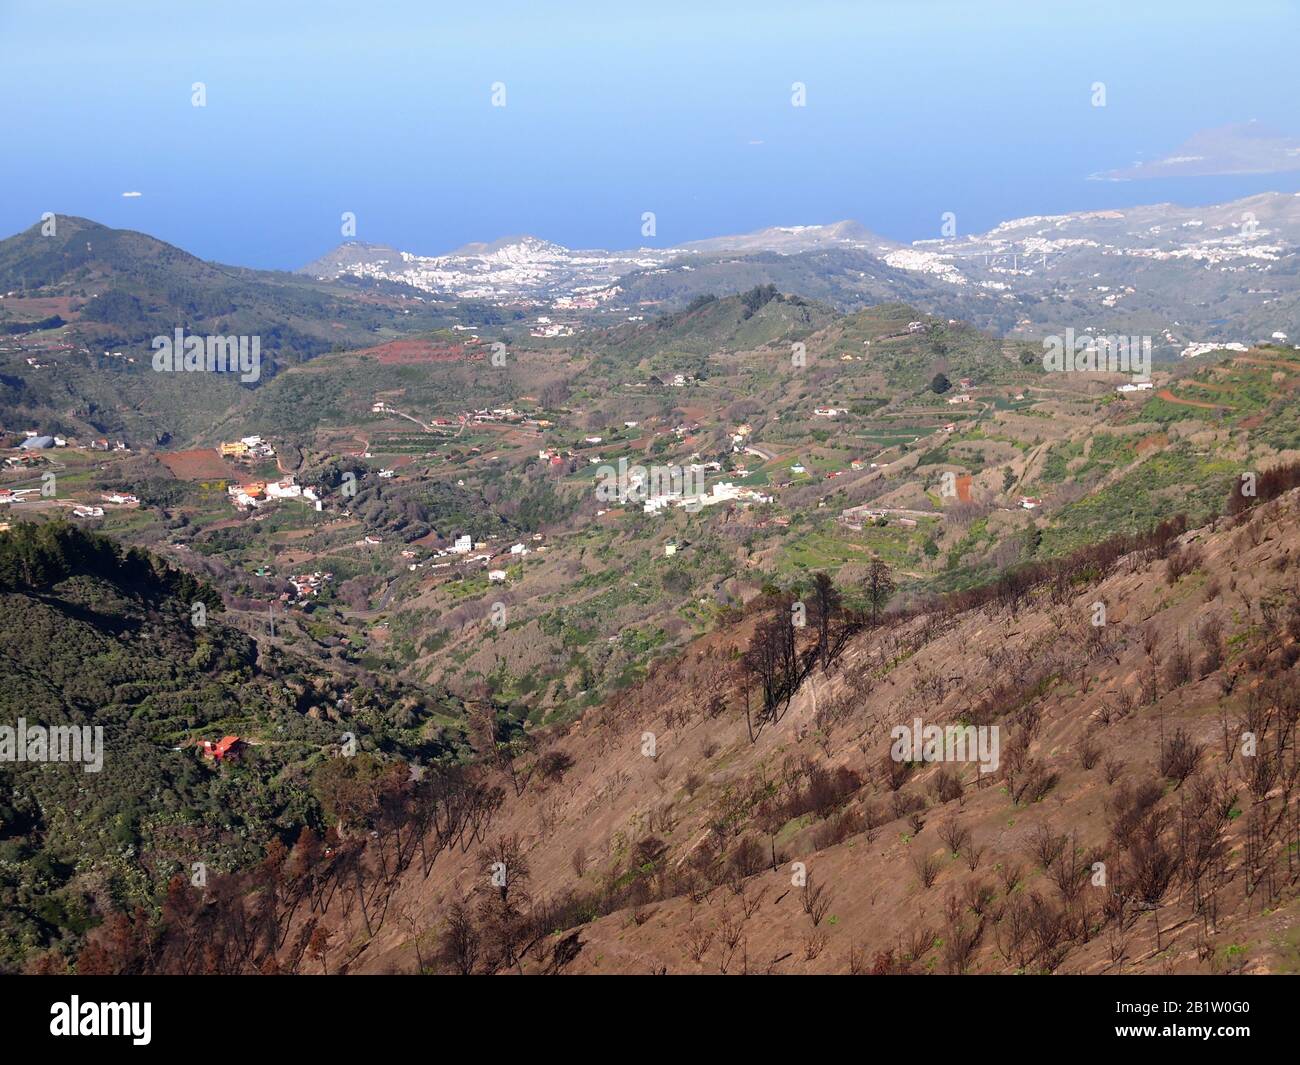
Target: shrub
927,869
1179,756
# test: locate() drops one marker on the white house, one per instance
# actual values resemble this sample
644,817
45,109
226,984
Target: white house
283,489
462,545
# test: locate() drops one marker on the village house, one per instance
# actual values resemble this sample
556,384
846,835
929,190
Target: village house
228,748
309,584
247,495
285,489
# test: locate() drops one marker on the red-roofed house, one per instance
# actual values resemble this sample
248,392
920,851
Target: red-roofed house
227,747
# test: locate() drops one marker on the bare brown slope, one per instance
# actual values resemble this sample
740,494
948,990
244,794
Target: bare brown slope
1088,706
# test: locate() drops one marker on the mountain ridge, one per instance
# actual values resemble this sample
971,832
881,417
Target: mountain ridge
1168,265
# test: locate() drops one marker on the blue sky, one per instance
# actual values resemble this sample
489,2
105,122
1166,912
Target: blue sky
914,108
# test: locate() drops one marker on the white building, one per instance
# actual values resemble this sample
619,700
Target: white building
462,545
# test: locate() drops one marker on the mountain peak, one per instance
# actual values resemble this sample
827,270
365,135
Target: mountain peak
522,244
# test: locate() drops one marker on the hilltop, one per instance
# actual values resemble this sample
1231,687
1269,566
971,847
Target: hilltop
86,301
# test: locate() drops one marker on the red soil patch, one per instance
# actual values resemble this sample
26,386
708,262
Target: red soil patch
38,307
202,464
